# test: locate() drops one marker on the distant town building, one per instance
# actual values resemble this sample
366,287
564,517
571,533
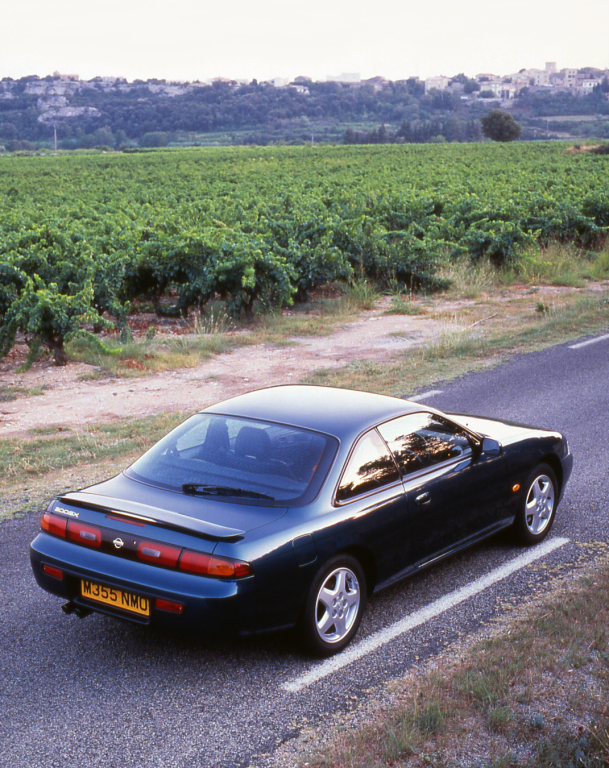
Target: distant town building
569,77
439,83
538,77
587,86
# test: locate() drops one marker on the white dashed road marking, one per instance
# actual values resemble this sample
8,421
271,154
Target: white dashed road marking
425,395
590,341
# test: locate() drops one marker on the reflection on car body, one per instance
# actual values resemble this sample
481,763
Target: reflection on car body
291,506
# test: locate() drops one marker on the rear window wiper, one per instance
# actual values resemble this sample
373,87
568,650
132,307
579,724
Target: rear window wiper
200,489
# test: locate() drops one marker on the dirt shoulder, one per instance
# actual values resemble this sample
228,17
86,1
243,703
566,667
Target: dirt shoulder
69,398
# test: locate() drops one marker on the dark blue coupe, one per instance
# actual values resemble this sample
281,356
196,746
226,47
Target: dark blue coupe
290,506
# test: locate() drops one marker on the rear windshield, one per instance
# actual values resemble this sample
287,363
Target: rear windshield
217,455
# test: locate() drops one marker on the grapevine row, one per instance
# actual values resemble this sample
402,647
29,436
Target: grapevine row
81,238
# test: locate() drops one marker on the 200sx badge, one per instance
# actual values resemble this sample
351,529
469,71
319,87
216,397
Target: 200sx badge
117,598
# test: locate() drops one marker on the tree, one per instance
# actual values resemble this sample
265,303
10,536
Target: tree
499,125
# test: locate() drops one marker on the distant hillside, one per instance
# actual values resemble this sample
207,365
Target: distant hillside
110,112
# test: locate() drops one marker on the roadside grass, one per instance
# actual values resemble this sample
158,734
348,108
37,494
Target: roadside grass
131,358
461,346
51,457
561,264
534,694
360,294
406,304
32,494
470,280
564,264
14,392
208,335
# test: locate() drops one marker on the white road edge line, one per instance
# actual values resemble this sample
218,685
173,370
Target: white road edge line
425,395
590,341
430,611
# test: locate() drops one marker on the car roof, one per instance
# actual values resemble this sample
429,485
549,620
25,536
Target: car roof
343,413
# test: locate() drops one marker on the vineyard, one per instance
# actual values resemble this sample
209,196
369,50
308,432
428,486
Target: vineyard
83,238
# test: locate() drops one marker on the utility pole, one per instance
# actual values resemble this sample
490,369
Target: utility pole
55,135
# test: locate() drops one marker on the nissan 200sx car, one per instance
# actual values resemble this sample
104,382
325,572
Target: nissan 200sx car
291,506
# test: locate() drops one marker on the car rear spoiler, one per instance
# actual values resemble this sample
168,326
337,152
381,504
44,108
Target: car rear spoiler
153,515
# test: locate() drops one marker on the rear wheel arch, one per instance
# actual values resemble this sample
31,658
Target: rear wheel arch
366,559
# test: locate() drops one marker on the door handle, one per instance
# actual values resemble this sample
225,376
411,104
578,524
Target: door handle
423,498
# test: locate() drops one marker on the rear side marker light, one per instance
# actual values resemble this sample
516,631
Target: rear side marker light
54,572
158,554
168,605
84,534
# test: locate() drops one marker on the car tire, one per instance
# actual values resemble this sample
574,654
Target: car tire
537,505
335,605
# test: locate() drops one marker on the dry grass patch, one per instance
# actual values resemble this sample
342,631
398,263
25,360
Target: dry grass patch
7,394
496,330
51,452
206,336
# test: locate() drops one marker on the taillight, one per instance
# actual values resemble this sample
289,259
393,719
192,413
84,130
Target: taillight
54,524
152,552
158,554
208,565
84,534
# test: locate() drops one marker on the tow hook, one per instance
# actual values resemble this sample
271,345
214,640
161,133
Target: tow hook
77,609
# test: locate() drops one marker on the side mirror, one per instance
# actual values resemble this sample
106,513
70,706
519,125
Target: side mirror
490,447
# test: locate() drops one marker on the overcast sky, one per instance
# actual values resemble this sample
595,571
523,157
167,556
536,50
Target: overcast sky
199,39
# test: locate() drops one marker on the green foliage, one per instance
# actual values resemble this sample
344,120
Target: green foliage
499,125
82,238
47,317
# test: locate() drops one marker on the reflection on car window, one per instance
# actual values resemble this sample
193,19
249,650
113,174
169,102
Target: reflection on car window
271,460
420,440
370,467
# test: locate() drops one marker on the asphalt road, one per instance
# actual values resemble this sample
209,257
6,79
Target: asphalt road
75,694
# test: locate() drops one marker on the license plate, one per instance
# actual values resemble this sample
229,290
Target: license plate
117,598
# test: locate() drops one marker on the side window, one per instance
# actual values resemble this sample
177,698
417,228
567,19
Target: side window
421,440
445,440
370,467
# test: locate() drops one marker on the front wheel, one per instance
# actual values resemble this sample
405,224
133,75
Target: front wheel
538,505
334,606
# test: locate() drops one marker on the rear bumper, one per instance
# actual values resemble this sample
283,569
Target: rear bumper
211,606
